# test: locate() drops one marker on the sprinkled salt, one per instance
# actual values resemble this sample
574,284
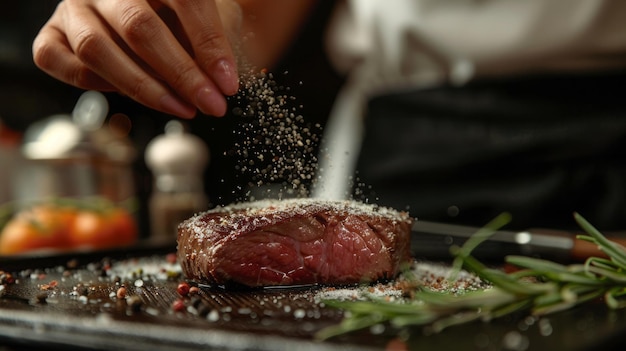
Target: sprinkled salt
244,310
277,145
213,316
431,276
152,311
299,313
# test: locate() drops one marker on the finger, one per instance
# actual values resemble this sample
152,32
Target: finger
209,40
91,42
149,38
53,55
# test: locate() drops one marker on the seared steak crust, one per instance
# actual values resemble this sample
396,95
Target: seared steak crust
292,242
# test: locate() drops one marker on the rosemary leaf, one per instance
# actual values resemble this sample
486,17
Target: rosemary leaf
601,263
499,278
513,307
423,318
591,295
367,307
474,299
549,299
615,251
455,319
348,325
572,278
612,298
543,310
611,275
476,239
535,264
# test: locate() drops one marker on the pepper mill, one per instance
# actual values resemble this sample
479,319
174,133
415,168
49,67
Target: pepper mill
177,160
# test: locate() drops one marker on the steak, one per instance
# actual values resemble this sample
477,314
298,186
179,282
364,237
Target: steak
294,242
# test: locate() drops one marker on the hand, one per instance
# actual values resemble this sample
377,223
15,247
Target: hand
171,55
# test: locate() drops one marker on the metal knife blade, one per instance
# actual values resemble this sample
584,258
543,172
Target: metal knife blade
432,240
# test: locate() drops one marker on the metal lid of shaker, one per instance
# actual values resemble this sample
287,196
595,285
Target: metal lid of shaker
63,136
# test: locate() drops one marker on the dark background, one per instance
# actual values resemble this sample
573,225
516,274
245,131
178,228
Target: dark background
27,95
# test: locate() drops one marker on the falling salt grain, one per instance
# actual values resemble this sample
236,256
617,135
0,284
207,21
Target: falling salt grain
282,145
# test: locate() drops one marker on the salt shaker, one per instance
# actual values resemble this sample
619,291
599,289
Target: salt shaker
177,160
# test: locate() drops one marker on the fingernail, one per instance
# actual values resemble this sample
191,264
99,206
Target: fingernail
174,106
211,102
225,76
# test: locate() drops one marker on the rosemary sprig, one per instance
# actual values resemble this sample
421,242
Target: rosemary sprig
540,287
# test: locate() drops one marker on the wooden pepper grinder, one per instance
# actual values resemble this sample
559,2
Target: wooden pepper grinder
177,160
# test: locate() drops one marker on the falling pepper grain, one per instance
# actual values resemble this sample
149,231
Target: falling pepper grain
276,141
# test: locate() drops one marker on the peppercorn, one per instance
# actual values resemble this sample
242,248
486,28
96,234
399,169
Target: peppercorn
6,278
203,310
82,290
183,289
178,305
134,303
121,292
41,297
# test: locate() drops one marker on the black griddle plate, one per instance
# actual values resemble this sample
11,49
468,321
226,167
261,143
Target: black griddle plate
53,305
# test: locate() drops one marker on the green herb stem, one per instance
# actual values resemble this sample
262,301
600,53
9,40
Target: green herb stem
540,287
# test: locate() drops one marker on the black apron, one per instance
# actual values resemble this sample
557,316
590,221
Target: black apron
539,148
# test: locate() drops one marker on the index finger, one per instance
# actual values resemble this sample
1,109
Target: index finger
212,50
149,40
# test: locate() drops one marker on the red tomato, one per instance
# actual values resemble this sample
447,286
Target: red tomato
125,226
41,227
63,227
111,227
90,230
